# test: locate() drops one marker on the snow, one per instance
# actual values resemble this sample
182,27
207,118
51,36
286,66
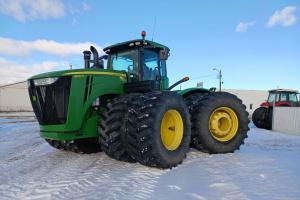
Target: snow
267,167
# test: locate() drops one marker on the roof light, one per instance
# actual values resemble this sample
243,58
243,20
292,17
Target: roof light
143,34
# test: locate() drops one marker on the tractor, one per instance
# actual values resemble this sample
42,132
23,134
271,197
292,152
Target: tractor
121,103
262,116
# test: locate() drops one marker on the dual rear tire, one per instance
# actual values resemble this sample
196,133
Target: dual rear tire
219,123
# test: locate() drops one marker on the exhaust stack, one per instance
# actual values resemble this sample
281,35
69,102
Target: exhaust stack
96,57
87,59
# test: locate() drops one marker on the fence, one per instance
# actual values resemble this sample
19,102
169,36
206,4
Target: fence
286,120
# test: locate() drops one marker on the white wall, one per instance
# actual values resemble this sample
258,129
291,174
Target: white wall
286,120
254,97
15,97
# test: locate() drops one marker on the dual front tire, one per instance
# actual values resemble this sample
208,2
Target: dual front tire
162,131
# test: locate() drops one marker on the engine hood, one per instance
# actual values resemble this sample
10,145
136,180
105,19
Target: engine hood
91,71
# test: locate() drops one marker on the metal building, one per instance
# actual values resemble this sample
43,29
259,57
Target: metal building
251,98
14,97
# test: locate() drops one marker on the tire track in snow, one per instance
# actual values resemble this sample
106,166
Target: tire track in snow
105,178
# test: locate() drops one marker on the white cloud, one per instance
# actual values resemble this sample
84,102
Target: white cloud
23,10
11,72
86,7
23,48
243,26
284,17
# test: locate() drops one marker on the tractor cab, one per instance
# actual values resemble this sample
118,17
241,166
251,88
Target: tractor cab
282,97
143,61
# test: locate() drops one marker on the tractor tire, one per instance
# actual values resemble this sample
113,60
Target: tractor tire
83,146
192,101
159,129
219,123
269,119
112,127
260,117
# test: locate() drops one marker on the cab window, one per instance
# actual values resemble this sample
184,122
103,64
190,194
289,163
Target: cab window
293,98
150,65
283,96
163,68
126,61
271,97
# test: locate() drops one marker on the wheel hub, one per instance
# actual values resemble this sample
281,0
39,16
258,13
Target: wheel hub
171,129
223,124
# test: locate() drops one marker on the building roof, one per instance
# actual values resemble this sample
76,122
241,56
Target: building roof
133,43
12,84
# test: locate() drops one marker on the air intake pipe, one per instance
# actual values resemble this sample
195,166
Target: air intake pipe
87,59
96,57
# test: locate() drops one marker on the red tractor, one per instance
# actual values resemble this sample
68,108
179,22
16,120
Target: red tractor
262,116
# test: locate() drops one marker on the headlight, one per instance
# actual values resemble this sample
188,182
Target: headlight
44,81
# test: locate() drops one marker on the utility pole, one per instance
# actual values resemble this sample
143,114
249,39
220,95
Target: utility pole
219,77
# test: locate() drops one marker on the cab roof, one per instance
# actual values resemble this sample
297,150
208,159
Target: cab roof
133,44
284,90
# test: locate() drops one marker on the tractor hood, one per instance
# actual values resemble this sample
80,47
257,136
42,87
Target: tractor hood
77,72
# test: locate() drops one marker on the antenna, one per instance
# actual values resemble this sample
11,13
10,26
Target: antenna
154,26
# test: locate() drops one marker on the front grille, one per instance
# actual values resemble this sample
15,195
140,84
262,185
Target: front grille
50,102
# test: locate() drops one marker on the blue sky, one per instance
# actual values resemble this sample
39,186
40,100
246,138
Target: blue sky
255,43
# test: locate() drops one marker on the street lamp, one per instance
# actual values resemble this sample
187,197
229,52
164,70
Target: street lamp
219,77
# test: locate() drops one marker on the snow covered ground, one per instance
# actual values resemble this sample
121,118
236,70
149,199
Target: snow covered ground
267,167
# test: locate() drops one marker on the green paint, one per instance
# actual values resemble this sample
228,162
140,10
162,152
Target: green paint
82,119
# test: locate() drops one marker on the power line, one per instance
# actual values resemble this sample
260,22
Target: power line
204,76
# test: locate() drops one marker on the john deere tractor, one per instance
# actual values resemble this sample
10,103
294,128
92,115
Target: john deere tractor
127,109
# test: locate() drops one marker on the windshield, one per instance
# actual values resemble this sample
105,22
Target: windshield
127,61
271,97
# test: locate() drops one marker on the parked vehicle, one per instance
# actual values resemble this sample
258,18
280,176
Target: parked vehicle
262,116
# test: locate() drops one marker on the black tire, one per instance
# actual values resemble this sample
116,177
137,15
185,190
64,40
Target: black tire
144,129
83,146
269,118
192,101
204,139
112,127
262,117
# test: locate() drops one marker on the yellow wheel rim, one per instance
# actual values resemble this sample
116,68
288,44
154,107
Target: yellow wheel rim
171,129
223,124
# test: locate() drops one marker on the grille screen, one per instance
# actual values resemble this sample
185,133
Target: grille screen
50,102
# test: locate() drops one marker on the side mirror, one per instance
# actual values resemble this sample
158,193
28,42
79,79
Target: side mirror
163,54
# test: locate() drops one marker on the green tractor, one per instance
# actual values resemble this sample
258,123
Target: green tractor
121,103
